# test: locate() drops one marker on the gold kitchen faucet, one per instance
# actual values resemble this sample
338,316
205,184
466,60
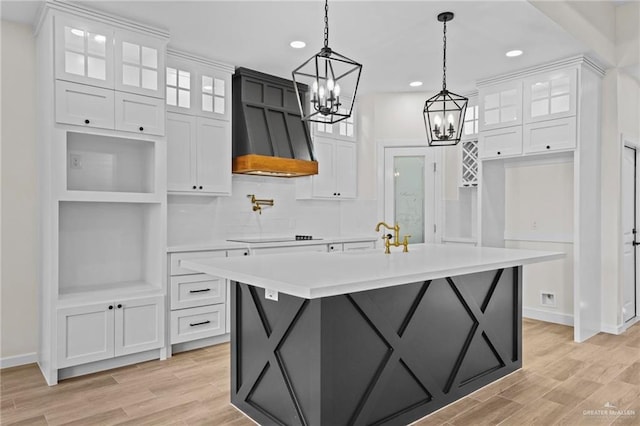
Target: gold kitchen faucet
396,238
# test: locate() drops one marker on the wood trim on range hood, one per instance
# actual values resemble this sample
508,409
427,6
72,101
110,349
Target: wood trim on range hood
263,165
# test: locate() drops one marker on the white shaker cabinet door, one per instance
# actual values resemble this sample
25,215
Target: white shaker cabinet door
139,325
84,105
85,334
181,152
346,177
551,135
213,156
139,114
324,183
83,51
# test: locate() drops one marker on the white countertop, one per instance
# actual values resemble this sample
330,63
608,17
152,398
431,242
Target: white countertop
315,275
232,245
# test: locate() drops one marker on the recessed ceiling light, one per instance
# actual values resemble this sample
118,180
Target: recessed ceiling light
513,53
415,84
297,44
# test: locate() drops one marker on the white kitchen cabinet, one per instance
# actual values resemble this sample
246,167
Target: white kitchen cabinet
139,325
199,153
83,51
550,95
198,86
85,334
343,130
139,64
500,105
500,143
198,323
551,135
337,171
83,105
139,114
100,331
189,291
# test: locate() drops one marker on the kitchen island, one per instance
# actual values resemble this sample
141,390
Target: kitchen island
368,338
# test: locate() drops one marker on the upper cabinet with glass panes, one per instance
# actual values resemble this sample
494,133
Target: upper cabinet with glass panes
83,52
344,130
96,54
550,95
500,105
470,129
198,86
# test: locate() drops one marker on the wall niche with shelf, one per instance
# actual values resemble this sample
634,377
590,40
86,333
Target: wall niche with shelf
109,164
109,248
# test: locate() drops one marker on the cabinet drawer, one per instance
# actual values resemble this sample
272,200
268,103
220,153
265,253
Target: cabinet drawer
197,323
83,105
189,291
139,114
506,142
177,257
550,135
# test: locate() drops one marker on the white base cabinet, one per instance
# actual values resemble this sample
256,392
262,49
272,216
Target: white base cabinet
91,333
198,323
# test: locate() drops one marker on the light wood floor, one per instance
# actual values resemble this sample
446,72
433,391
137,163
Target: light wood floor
560,383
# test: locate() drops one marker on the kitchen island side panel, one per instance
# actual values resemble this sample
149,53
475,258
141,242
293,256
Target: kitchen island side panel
386,356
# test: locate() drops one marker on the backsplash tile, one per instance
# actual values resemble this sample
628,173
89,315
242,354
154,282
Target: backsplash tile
200,219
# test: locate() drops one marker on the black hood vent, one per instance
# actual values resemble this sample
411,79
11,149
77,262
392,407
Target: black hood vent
269,136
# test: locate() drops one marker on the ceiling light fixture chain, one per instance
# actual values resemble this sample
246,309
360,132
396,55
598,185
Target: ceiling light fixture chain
444,57
326,23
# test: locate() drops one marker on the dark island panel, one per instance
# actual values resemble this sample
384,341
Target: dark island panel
387,356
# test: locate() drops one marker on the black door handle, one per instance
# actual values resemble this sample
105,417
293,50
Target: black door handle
200,291
199,323
635,243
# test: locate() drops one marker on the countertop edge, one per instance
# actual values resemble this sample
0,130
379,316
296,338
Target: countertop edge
230,245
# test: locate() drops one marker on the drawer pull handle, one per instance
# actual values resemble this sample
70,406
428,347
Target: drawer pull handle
200,323
200,291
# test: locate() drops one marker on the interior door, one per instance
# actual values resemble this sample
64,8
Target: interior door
629,233
411,192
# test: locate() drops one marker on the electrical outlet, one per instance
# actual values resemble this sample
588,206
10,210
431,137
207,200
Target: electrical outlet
271,294
75,161
547,299
534,225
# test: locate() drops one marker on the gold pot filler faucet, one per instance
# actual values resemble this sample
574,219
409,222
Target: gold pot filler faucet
396,238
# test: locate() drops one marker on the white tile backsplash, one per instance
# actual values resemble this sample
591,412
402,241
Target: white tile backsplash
194,219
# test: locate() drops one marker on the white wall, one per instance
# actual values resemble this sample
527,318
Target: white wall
18,288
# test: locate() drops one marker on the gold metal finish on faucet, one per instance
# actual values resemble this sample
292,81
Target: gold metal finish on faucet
258,203
396,238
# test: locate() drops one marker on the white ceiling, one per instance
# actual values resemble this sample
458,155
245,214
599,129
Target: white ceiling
396,41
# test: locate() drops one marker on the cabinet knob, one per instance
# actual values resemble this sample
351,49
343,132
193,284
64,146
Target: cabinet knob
119,305
200,187
87,121
246,253
141,128
110,306
334,194
498,152
339,194
548,147
195,187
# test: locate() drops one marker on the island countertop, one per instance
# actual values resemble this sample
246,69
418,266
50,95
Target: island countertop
315,275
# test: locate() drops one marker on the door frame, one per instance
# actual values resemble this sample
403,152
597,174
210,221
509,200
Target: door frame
382,146
628,142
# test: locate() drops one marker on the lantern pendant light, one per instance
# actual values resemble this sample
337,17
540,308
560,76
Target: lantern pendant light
333,79
444,113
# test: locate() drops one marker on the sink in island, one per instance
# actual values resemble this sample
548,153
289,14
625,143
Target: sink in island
370,338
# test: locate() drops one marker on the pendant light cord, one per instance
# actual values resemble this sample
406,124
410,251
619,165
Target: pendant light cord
326,23
444,57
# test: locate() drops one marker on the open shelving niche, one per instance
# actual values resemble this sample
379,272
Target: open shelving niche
108,251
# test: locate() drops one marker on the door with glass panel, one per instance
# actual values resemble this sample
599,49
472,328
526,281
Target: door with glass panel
411,192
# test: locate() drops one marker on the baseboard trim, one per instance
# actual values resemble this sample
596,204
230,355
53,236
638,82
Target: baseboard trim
620,328
546,316
17,360
200,343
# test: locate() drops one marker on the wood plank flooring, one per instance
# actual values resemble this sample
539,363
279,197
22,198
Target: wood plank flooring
561,383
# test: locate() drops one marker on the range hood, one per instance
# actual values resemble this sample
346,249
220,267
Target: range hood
269,136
